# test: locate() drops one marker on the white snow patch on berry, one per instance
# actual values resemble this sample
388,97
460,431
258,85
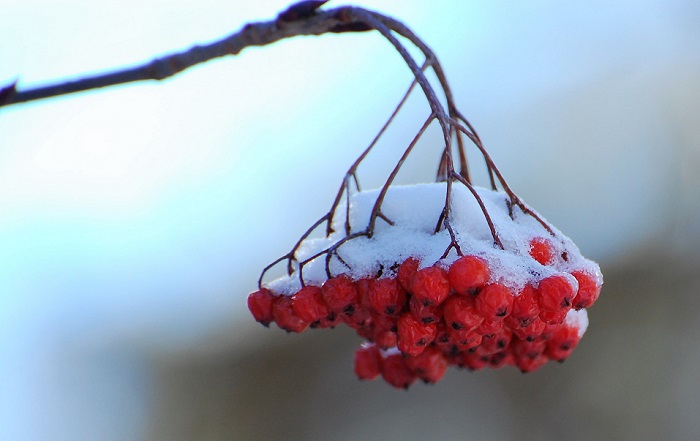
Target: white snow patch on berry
577,319
415,210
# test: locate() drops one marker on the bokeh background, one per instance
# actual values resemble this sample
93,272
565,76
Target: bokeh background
134,221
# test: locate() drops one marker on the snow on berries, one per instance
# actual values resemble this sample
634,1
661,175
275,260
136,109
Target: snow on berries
500,290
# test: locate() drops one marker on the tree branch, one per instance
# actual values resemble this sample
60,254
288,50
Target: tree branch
302,18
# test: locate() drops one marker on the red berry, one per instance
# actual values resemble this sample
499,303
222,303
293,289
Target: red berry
360,318
588,290
430,285
424,313
463,340
459,313
308,304
414,335
528,349
500,359
283,314
260,305
525,307
541,250
330,321
385,339
442,335
468,273
340,294
488,327
555,293
474,361
368,362
387,297
362,287
406,273
396,372
530,364
497,342
494,302
429,366
554,317
531,331
562,342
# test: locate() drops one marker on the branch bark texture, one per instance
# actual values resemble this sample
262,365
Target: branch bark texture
303,18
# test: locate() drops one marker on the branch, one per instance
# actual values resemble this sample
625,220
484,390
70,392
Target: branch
302,18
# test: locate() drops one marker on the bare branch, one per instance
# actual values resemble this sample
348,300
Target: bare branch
300,19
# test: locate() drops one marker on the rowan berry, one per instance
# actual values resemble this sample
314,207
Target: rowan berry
525,307
431,286
385,339
424,313
260,305
430,365
555,293
468,273
494,302
463,340
362,288
396,372
368,362
496,342
283,315
554,317
588,290
406,272
562,342
308,304
474,361
541,250
530,332
387,297
340,294
459,313
527,364
413,335
500,359
488,327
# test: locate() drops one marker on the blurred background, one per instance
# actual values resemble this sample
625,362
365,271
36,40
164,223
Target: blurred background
135,220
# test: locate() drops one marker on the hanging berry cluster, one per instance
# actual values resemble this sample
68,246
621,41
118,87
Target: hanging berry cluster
433,275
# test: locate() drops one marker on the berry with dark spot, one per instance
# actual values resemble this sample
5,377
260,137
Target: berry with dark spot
588,290
468,273
556,293
525,307
562,342
494,302
396,372
424,313
459,313
340,294
430,365
430,285
387,297
413,335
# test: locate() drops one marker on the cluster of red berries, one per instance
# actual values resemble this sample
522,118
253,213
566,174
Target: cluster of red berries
420,321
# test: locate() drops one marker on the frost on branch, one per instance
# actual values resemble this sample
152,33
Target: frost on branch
436,274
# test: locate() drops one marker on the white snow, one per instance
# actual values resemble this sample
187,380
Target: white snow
577,319
415,210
